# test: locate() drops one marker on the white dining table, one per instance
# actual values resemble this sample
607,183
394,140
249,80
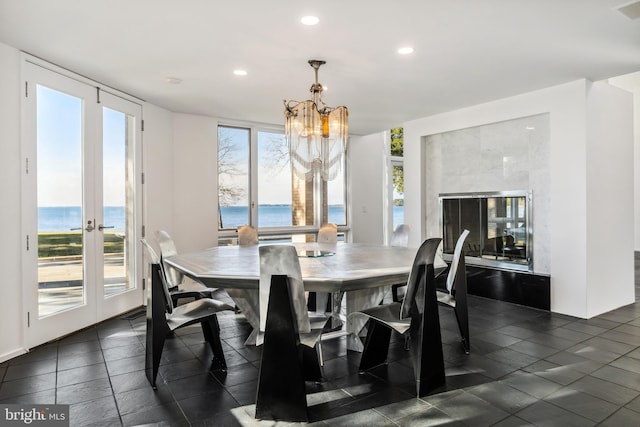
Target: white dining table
362,272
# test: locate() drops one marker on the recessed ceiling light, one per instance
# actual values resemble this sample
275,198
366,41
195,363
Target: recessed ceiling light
240,72
309,20
530,128
405,50
173,80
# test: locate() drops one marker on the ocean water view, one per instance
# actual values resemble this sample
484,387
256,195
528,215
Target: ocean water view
64,218
280,215
271,215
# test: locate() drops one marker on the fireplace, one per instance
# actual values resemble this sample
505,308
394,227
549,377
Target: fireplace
499,224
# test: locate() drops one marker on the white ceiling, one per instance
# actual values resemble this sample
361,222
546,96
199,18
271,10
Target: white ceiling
466,52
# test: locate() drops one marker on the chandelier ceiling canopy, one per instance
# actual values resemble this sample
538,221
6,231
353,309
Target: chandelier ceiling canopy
317,134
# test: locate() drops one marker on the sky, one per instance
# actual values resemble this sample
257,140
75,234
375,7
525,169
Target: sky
274,176
60,154
60,151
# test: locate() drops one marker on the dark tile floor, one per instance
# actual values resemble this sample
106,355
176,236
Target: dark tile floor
527,367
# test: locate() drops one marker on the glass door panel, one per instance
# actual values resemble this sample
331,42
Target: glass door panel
117,201
119,195
60,201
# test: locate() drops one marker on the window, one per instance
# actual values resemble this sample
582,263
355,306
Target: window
271,198
274,179
396,177
336,195
233,177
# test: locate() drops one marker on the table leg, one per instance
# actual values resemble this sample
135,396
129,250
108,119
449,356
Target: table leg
337,317
357,301
248,300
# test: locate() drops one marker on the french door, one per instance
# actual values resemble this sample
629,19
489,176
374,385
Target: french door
81,204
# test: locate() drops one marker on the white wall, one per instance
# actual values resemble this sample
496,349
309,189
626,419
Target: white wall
10,213
610,198
367,187
631,83
569,194
195,182
157,159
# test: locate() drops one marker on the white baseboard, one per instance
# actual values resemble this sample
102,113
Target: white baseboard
12,354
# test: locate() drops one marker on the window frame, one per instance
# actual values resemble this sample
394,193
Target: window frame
281,232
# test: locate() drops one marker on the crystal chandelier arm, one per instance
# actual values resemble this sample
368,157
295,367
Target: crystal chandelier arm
287,104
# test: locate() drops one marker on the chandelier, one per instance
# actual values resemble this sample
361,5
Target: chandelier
316,133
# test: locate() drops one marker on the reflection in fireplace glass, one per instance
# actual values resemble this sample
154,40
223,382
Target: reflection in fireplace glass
497,226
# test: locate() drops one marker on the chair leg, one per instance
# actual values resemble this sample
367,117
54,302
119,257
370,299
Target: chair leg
281,391
211,331
156,327
394,293
310,363
153,353
319,351
461,309
462,317
376,346
426,341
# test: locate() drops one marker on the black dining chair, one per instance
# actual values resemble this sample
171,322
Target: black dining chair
288,335
163,318
454,293
174,278
417,317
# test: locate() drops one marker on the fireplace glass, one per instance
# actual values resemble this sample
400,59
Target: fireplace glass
498,228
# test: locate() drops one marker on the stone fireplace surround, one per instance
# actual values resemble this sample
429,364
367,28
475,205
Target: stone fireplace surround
497,157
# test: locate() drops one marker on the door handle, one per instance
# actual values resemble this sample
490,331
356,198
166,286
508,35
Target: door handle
102,227
89,228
